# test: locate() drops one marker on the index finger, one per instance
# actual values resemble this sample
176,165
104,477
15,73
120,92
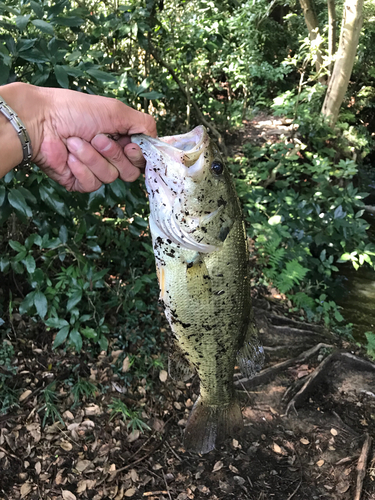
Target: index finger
128,121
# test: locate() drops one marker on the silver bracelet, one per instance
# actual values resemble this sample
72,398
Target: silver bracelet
20,128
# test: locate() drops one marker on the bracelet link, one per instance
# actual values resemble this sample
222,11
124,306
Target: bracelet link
20,128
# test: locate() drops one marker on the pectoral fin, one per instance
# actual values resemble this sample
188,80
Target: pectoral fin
198,280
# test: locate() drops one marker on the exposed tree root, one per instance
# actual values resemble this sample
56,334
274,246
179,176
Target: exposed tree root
361,467
315,377
266,375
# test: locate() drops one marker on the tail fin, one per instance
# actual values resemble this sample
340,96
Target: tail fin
209,425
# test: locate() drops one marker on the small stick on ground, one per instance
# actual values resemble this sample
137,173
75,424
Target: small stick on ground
361,467
265,375
310,382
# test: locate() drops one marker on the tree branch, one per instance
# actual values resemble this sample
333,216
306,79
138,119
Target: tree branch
185,91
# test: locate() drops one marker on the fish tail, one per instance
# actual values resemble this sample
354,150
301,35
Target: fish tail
208,425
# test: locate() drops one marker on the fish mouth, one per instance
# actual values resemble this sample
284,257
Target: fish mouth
172,163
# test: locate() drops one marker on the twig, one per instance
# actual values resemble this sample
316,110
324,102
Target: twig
300,478
265,375
154,51
166,485
174,453
361,467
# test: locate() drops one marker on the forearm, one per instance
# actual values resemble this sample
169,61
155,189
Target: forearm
26,101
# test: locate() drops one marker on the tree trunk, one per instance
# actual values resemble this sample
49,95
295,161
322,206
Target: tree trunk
338,85
331,31
313,27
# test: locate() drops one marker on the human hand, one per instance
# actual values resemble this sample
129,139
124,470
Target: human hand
68,132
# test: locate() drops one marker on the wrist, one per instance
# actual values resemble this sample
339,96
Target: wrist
29,104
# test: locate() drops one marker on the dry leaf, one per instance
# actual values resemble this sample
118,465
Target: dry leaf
68,415
334,432
85,484
133,436
233,469
34,430
163,375
65,445
304,441
82,465
277,449
235,443
26,488
319,463
38,467
343,486
126,364
92,410
68,495
25,395
134,475
130,492
115,355
217,466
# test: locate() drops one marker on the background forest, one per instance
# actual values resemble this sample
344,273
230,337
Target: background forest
79,268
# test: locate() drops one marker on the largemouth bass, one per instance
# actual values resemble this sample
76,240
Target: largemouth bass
202,260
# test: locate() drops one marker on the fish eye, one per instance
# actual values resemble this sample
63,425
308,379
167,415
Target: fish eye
217,167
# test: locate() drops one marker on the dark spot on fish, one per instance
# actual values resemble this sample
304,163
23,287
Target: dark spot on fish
221,202
224,231
189,265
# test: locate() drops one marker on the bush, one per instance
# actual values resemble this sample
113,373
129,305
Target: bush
305,215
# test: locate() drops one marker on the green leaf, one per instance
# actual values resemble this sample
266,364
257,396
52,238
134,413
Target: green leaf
61,76
30,264
76,339
74,299
18,202
40,302
152,95
8,8
101,76
16,245
63,234
27,303
118,188
37,8
52,199
61,336
103,343
34,55
4,264
4,73
89,333
33,239
21,21
71,21
43,26
56,322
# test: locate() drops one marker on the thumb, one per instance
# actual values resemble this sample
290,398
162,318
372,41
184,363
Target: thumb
135,156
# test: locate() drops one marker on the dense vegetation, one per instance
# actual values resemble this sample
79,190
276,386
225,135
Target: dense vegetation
81,265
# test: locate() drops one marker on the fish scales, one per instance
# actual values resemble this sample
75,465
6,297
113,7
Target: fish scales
201,255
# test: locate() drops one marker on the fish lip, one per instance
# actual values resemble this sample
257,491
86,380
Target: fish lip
173,145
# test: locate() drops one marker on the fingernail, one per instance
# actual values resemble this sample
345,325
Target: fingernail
72,158
74,144
102,143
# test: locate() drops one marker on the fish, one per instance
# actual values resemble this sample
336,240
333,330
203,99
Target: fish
202,263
